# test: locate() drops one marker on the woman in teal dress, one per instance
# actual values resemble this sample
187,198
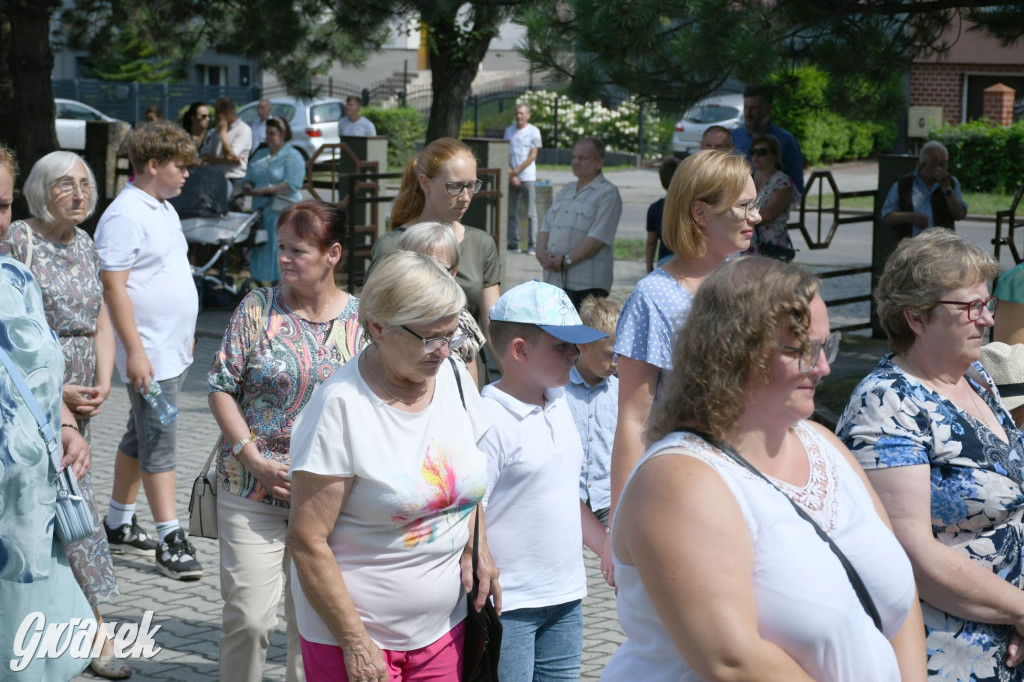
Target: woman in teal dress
275,174
34,572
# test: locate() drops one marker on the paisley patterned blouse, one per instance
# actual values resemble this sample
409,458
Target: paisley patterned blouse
273,380
977,500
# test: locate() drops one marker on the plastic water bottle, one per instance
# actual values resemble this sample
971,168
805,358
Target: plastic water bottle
165,412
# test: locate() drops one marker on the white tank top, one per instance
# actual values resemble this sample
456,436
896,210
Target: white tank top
805,603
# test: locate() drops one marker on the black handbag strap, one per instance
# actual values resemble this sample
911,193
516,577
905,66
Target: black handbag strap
476,517
458,381
858,585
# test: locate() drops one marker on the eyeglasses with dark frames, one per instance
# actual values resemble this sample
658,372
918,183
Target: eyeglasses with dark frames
811,351
435,344
454,189
759,151
975,308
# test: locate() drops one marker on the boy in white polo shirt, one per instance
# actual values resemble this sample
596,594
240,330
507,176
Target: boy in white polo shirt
148,289
533,467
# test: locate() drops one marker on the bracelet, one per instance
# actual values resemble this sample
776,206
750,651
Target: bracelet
69,426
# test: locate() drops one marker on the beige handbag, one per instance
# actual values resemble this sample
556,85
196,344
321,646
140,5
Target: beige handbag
202,507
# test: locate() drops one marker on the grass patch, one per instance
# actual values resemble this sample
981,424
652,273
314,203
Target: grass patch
629,249
979,203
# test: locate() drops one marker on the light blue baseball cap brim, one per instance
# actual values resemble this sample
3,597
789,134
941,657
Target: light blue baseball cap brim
576,334
546,306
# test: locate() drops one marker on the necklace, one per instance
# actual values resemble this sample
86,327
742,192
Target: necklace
296,308
380,382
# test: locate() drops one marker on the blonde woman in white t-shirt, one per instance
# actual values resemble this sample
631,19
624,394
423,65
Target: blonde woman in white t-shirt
386,478
718,575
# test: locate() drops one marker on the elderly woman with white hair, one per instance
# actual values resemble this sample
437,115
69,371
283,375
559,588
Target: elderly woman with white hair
386,480
438,241
61,194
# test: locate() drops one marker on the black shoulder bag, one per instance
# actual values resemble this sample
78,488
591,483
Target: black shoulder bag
483,628
851,572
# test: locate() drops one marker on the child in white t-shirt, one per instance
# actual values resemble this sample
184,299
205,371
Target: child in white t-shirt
532,505
148,289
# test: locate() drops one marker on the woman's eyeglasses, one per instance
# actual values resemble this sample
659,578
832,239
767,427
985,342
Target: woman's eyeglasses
435,344
67,186
454,189
750,208
811,351
975,308
759,151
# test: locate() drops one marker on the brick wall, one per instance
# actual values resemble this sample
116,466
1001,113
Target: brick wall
943,85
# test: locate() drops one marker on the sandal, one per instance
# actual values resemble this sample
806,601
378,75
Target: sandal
107,665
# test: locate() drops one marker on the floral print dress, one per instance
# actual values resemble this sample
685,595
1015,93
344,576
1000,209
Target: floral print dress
69,277
977,500
271,367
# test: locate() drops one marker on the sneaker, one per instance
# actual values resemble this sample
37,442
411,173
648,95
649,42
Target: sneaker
177,558
130,539
513,248
532,251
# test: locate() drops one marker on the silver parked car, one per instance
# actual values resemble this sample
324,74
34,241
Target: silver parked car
722,110
314,122
71,119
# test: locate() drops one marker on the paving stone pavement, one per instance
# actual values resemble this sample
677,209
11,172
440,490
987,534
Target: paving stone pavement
188,613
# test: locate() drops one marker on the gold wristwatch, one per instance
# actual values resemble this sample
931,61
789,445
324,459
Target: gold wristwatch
237,448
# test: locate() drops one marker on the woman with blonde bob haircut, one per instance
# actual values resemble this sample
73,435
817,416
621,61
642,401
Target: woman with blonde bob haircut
929,427
386,481
745,588
438,186
710,213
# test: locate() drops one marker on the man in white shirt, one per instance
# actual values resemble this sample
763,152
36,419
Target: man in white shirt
354,125
524,141
229,145
259,126
575,242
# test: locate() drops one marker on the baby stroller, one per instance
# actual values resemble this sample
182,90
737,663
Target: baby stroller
207,221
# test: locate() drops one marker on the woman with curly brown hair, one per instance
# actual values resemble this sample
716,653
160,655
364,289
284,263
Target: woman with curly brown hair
718,571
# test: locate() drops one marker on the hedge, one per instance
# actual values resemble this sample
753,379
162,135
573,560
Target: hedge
404,128
983,157
809,105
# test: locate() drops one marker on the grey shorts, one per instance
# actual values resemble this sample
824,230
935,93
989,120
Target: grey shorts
145,438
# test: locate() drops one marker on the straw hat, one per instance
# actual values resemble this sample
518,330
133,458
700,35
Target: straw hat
1005,364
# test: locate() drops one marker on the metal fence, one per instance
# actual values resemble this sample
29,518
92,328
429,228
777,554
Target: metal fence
128,101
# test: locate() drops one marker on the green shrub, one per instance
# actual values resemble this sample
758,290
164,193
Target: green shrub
834,121
405,130
985,158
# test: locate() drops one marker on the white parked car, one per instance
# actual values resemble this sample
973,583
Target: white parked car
71,119
314,122
722,110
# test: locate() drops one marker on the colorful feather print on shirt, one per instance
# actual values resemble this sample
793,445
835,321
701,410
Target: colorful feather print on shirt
447,486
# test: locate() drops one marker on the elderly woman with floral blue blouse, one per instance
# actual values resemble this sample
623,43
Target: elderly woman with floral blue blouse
944,456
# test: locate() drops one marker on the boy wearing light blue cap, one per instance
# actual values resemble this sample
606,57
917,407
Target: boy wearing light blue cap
532,501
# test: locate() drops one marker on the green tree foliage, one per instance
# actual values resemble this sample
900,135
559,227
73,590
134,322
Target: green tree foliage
836,120
299,40
131,58
675,52
404,128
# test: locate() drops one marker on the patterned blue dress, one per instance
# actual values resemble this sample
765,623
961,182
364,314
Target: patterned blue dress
977,501
34,573
265,170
